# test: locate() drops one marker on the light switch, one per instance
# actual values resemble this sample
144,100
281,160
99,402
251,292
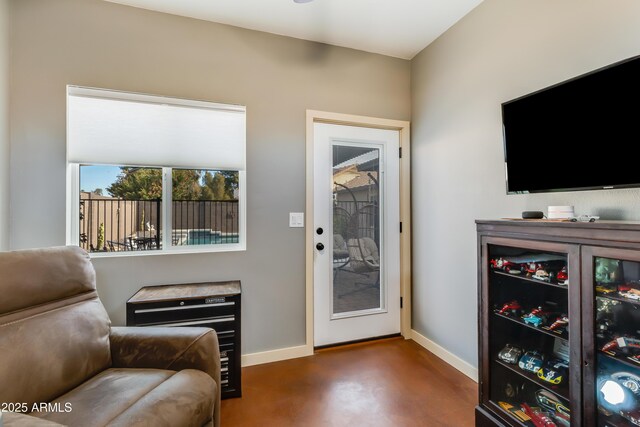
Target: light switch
296,219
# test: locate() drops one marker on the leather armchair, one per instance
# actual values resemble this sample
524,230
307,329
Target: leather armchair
64,364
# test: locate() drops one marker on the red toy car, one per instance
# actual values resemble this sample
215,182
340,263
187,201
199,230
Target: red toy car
504,265
532,267
622,343
538,417
560,324
511,308
563,275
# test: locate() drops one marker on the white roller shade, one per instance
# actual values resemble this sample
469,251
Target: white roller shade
107,127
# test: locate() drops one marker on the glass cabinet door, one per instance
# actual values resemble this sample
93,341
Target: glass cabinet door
614,289
529,313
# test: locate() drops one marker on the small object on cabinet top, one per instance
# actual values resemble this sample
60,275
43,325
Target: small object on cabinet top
584,218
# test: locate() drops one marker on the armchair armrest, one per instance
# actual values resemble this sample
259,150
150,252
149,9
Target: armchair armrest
168,348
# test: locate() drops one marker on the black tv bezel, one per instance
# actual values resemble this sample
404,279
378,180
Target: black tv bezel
558,190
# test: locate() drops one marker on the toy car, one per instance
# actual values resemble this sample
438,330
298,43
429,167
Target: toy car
536,317
510,354
511,308
562,276
635,359
505,265
560,324
584,218
554,371
532,267
632,416
538,417
549,402
514,411
629,380
632,293
622,343
542,274
532,361
604,290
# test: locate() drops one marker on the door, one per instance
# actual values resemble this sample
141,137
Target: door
357,233
530,330
611,330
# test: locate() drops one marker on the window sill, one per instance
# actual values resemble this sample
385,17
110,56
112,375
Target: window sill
173,251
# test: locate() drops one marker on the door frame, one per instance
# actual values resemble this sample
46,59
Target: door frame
404,129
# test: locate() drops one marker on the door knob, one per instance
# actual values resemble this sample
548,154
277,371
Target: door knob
319,230
319,246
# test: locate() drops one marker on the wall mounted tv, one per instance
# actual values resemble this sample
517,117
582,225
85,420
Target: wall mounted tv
576,135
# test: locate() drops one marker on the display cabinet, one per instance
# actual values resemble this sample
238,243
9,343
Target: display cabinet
559,324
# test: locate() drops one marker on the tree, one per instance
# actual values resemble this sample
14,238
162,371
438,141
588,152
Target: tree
214,187
137,184
100,237
186,184
230,182
98,191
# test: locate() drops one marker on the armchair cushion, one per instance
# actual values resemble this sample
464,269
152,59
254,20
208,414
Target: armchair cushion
149,397
168,348
17,419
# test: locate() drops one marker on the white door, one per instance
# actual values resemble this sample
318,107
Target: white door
357,233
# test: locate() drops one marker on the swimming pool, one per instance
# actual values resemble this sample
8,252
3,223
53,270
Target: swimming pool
208,237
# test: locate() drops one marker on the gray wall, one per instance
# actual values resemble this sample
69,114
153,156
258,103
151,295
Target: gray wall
4,124
501,50
100,44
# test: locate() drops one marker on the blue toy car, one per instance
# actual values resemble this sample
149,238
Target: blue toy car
532,361
537,317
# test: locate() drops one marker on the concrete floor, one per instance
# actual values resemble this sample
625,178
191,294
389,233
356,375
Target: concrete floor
393,382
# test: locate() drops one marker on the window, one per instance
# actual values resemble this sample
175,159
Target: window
148,173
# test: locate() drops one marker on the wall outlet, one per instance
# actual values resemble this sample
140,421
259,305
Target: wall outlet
296,219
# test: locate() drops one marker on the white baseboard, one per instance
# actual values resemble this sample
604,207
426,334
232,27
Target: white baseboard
276,355
446,355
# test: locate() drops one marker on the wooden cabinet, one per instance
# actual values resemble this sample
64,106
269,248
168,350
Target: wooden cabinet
559,323
213,305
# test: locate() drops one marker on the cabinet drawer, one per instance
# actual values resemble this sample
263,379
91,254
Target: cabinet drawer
152,315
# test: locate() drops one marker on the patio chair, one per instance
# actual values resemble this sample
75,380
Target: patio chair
358,230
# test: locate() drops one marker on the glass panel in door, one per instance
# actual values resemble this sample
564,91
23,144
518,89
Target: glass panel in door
617,330
529,335
357,198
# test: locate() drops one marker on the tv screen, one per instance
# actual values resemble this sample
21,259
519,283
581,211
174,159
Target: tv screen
576,135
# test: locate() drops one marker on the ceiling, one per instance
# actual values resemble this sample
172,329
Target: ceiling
399,28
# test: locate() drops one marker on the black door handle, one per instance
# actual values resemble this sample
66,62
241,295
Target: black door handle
319,246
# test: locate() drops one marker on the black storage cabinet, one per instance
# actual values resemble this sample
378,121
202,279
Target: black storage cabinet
214,305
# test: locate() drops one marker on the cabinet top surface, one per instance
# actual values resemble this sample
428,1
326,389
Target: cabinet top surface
606,225
185,291
618,233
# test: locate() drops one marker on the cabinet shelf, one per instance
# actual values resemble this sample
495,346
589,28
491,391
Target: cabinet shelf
561,392
616,297
620,359
530,280
562,336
